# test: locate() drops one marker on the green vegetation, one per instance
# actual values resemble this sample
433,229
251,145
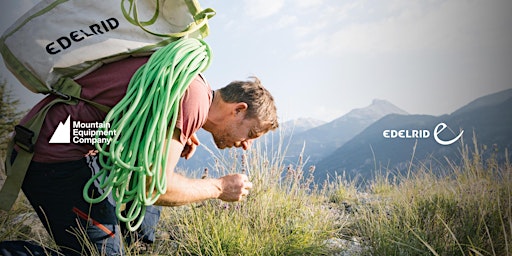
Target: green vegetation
465,211
9,116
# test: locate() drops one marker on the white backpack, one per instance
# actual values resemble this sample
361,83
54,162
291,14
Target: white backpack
70,38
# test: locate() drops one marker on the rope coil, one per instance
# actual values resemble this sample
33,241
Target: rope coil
133,165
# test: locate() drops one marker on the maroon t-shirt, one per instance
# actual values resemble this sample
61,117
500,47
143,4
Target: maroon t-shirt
107,85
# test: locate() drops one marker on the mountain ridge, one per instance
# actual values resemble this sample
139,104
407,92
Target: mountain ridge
370,151
325,138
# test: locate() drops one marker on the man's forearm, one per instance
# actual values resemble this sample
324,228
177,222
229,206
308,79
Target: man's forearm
182,190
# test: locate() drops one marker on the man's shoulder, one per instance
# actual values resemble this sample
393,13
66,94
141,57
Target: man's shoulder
199,88
201,79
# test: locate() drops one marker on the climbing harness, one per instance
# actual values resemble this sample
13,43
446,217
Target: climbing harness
133,165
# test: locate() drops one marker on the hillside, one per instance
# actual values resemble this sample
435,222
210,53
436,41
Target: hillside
299,125
323,140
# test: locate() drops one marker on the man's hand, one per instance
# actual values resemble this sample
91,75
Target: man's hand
190,147
246,144
234,187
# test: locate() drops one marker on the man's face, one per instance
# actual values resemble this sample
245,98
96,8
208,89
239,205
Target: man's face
236,133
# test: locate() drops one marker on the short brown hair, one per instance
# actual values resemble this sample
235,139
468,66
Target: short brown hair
259,100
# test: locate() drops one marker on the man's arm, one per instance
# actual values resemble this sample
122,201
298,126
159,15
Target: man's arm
182,190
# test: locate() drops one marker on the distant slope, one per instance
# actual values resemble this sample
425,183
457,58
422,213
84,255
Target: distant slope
323,140
488,100
299,125
487,117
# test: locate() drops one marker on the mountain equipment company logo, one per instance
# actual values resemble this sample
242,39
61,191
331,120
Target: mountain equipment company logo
62,133
82,133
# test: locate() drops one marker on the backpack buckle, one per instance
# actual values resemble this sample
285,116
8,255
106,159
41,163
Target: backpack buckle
23,138
60,94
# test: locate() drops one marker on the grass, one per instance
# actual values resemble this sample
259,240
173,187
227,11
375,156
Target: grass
281,216
466,210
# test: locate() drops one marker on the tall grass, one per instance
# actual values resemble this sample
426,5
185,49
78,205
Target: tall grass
283,215
22,223
465,211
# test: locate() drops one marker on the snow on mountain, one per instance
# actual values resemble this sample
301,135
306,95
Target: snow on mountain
300,125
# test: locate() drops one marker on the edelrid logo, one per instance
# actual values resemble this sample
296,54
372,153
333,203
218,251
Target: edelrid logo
64,42
423,134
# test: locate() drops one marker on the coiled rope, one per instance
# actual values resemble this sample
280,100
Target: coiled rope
133,165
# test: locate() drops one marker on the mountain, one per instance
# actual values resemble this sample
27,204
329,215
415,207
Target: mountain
324,139
299,125
485,118
488,100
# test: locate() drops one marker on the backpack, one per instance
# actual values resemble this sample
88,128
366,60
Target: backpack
66,39
70,38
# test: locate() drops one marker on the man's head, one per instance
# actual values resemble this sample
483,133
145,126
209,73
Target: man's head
241,112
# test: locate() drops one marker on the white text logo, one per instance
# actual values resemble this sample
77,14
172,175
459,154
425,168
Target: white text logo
83,132
422,134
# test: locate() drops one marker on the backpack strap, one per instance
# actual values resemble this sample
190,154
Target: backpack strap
68,88
25,137
69,93
199,24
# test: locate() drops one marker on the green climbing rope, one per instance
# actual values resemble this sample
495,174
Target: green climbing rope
134,163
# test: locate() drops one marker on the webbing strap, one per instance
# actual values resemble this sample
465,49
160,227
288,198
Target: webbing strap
200,17
69,92
67,87
17,170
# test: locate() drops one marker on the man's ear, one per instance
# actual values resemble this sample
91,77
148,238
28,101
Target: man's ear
241,107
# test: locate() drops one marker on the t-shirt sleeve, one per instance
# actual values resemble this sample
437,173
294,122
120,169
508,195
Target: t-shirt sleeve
194,107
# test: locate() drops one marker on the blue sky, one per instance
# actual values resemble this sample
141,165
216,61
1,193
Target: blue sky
322,58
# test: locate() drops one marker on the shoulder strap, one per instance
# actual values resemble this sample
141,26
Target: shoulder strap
25,138
67,88
69,93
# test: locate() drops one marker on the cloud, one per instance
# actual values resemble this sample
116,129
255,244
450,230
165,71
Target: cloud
257,9
308,3
286,21
310,29
12,10
403,26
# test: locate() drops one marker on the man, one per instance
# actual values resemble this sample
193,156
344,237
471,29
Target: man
235,115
